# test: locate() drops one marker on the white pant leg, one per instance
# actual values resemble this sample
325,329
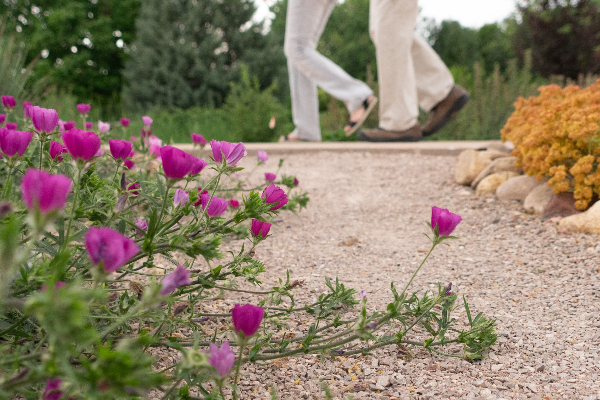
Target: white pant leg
410,72
308,68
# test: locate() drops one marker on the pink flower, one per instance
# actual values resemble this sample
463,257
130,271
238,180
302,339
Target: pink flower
109,247
198,166
83,108
231,152
120,149
14,142
147,121
44,192
52,391
99,152
221,358
444,220
262,156
133,188
247,318
270,177
103,127
234,203
8,101
81,145
56,149
177,163
260,228
2,118
26,109
12,125
177,278
141,225
181,198
125,122
274,195
198,139
69,125
216,207
44,120
57,285
89,125
129,164
155,146
362,294
133,138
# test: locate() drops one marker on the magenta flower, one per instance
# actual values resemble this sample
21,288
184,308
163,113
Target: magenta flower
262,156
44,120
199,201
8,101
99,152
133,138
216,207
103,127
44,192
141,225
260,228
14,142
274,195
125,122
230,151
129,164
296,181
181,198
57,285
120,149
269,177
26,109
2,118
11,126
444,220
133,188
81,145
448,291
83,108
89,125
221,358
234,203
177,278
247,318
177,163
52,391
147,121
198,139
109,247
362,294
69,125
198,166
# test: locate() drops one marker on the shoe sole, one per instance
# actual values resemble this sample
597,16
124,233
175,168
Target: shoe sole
363,118
456,107
360,135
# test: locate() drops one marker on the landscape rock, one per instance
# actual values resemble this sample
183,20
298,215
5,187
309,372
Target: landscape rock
471,162
383,381
586,222
499,147
561,205
490,183
517,188
498,165
537,200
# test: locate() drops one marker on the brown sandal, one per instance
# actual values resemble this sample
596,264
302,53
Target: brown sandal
368,106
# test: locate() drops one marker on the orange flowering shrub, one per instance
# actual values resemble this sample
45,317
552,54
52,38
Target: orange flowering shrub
557,135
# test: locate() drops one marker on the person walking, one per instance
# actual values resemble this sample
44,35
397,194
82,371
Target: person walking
309,69
410,75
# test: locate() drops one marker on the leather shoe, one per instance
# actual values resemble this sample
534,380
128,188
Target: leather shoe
413,134
443,112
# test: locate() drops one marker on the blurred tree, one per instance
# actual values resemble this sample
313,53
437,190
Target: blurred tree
495,47
188,51
563,34
455,44
83,44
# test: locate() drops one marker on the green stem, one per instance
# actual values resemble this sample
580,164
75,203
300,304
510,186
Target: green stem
42,140
17,323
243,342
77,184
417,270
5,192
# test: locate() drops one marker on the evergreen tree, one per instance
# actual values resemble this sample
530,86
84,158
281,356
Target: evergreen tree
188,51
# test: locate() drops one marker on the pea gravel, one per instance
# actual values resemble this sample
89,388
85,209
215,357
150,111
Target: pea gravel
365,225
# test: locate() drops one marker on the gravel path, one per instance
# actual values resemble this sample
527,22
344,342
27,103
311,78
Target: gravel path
364,225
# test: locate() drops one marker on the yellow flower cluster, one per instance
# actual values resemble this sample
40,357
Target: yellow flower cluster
557,135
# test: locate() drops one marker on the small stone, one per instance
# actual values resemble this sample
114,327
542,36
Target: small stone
497,367
537,200
471,162
498,165
587,222
490,184
374,363
540,368
517,188
383,380
485,392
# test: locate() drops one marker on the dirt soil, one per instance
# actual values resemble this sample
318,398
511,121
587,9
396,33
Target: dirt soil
365,225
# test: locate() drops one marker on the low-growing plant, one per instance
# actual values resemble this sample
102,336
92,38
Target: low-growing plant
557,135
85,299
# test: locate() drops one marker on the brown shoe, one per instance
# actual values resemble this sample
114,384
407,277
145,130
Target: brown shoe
443,112
413,134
